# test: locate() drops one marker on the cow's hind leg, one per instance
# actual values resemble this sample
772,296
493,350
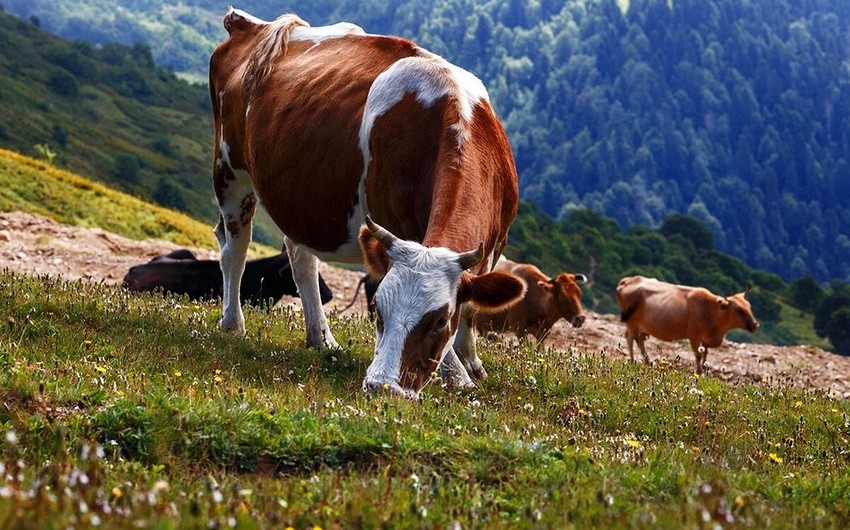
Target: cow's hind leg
237,203
305,272
641,340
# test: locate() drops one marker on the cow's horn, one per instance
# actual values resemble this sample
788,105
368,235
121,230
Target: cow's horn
384,236
467,260
581,278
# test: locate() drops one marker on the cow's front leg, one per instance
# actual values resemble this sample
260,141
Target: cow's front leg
700,353
237,203
305,272
464,346
453,373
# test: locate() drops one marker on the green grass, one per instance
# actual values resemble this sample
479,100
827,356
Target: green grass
200,429
32,186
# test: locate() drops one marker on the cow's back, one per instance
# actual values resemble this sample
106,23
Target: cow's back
303,134
654,307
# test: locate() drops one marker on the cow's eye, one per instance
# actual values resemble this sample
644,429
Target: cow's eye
441,324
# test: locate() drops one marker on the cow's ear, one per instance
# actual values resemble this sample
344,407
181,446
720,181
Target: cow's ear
374,254
723,303
491,292
546,285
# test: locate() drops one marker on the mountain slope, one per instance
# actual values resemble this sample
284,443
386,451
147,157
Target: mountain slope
109,113
31,186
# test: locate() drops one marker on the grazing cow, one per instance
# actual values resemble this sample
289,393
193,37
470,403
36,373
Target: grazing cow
330,128
673,312
180,272
546,301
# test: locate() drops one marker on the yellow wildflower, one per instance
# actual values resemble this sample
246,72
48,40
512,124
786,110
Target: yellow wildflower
775,458
100,369
633,443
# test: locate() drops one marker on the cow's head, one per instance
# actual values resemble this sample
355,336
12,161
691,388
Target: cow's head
417,305
566,296
739,311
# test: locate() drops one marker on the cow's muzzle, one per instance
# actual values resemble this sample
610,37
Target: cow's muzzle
753,327
578,321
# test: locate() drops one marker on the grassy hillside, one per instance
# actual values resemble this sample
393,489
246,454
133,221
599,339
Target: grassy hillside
109,113
184,427
32,186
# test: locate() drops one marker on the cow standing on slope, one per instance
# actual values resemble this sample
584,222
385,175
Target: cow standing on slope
546,301
674,312
330,128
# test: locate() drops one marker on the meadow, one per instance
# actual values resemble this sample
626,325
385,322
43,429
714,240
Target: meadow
123,411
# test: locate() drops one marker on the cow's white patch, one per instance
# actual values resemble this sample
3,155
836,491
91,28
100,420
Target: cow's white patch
430,78
421,280
247,16
224,149
322,33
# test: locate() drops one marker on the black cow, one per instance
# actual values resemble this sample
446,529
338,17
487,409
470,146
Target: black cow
180,272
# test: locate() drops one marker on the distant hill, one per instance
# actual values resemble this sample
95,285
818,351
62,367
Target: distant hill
735,112
31,186
111,114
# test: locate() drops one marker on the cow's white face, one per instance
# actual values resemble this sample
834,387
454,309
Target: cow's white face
418,306
415,307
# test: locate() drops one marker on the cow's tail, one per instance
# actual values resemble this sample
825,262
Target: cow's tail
628,312
356,294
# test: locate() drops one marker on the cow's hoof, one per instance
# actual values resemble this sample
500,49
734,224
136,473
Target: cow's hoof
323,341
455,379
236,328
478,374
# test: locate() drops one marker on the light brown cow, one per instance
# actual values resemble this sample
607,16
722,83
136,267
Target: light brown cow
674,312
330,127
546,301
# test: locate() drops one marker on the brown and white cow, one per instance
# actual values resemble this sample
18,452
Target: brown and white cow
674,312
330,127
546,301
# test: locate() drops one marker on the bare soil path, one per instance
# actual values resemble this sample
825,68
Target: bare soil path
37,245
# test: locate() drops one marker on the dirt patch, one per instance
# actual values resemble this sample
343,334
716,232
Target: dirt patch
34,244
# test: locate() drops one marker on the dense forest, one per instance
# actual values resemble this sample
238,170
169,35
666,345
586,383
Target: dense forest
735,112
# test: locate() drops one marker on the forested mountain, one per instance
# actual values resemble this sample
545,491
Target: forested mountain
734,111
109,113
